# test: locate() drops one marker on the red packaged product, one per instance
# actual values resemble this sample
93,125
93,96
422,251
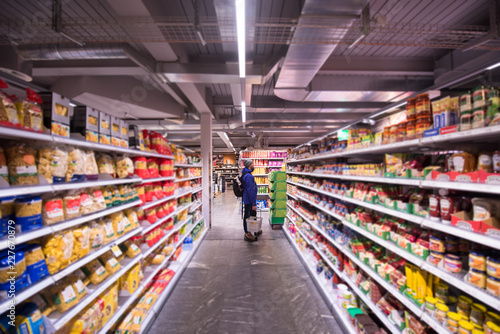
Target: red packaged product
447,207
153,168
149,192
151,215
166,167
141,167
434,210
140,214
160,212
146,138
8,111
158,190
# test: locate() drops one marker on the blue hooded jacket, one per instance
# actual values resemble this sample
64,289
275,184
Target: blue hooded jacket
249,187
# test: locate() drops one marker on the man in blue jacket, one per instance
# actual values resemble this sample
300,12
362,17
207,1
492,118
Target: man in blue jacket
249,196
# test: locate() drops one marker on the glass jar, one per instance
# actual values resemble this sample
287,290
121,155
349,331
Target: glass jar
477,277
441,311
410,110
477,314
430,305
401,136
465,327
491,317
493,267
423,123
452,321
477,261
422,105
393,134
387,135
464,305
442,292
493,285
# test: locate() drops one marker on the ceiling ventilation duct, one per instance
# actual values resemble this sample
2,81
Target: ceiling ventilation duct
71,51
14,65
303,60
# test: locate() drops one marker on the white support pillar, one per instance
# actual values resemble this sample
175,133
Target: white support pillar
206,155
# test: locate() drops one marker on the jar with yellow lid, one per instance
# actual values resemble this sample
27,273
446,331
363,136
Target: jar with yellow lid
477,314
441,311
464,305
477,331
492,328
491,317
465,327
452,321
430,305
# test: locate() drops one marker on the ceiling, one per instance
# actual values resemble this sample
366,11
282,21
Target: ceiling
313,66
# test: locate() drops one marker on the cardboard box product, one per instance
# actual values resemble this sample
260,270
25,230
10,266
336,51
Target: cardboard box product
137,139
115,126
490,227
124,143
115,141
104,139
104,123
85,122
56,113
124,129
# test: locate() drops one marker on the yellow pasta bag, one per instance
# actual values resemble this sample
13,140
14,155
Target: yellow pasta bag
88,322
109,302
109,231
130,249
132,217
79,274
138,317
95,272
64,296
96,237
119,222
43,304
82,245
110,263
158,259
129,282
57,249
147,301
78,286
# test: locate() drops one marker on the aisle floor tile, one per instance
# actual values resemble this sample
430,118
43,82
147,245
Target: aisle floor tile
232,286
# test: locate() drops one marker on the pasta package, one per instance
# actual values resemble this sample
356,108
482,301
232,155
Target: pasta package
147,301
95,271
4,171
106,165
71,205
7,210
109,231
124,167
118,222
35,262
91,169
107,197
42,304
82,242
153,168
28,213
31,111
64,296
29,320
98,198
129,282
8,111
115,196
158,259
53,163
76,165
52,210
21,164
81,276
86,203
89,322
132,217
96,238
58,249
110,263
109,301
130,249
78,285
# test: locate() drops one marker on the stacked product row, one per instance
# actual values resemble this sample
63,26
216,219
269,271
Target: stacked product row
277,193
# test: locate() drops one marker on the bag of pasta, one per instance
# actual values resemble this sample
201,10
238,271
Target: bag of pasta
141,215
7,208
160,212
82,242
76,165
91,169
149,191
153,168
53,163
8,111
31,111
71,205
107,196
28,213
95,271
96,238
89,322
86,203
4,171
21,164
130,249
132,217
124,167
63,295
78,285
116,199
151,215
44,304
35,262
118,222
109,231
98,198
106,165
110,263
52,209
57,249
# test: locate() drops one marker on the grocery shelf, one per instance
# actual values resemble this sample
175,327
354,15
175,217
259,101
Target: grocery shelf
158,179
263,185
196,190
260,174
164,219
27,293
291,195
464,234
59,320
45,230
463,186
151,249
404,181
187,165
490,132
264,158
192,209
326,292
187,179
148,205
431,321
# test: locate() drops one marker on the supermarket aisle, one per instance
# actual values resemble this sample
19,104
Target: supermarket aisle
232,286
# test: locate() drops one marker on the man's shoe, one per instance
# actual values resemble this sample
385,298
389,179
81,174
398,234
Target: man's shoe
250,237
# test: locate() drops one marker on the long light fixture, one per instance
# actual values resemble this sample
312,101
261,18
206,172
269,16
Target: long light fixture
493,66
240,30
243,111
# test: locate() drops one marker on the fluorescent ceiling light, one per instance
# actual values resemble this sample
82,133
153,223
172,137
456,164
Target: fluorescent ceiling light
386,110
243,111
493,66
240,29
72,104
360,37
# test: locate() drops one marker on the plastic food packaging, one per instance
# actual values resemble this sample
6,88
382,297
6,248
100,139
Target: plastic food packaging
35,262
64,295
118,221
109,231
76,165
153,168
110,263
132,217
95,271
8,111
86,203
81,246
53,163
78,285
57,249
21,164
31,112
28,213
96,237
52,210
98,199
130,249
141,167
71,205
151,215
106,165
124,167
4,171
91,169
29,320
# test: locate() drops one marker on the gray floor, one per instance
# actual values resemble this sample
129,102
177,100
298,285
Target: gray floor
232,286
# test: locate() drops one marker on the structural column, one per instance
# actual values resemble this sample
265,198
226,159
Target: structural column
206,155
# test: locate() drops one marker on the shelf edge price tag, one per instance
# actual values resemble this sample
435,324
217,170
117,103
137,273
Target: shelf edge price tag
116,251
